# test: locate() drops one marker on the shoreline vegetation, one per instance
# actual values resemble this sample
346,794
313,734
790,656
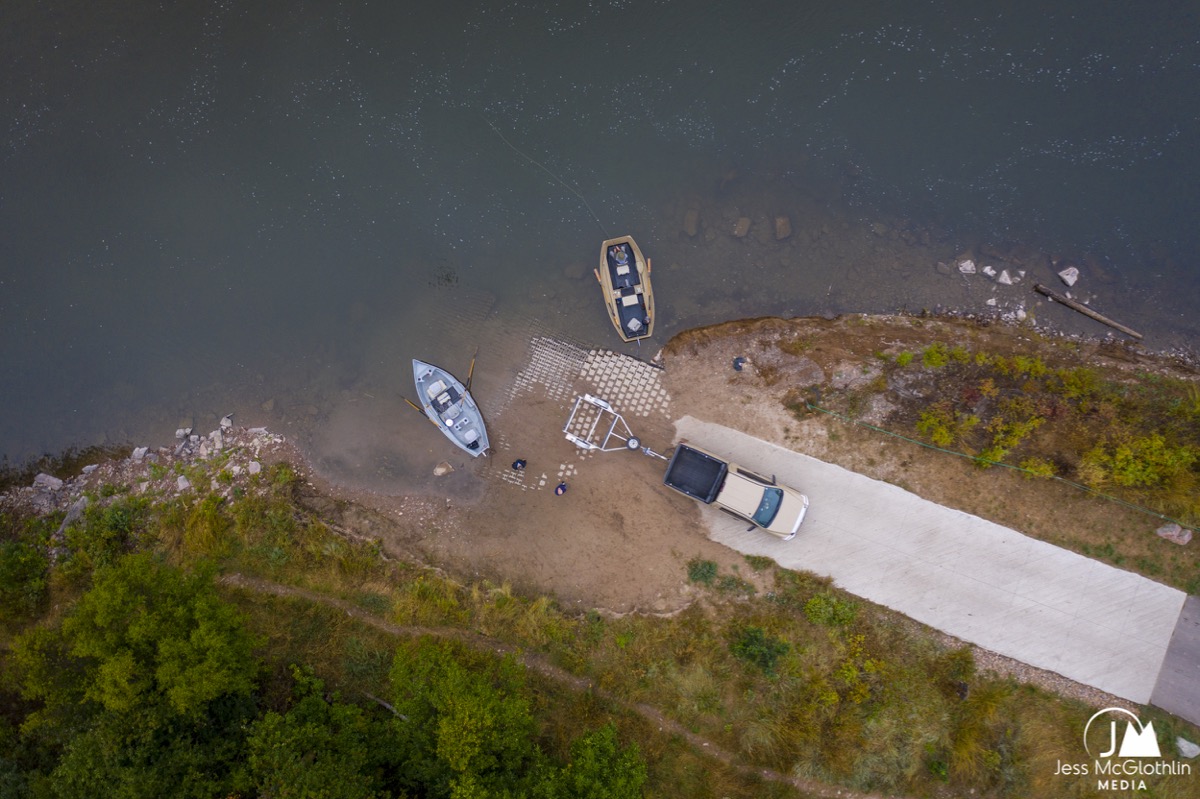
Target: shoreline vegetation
200,626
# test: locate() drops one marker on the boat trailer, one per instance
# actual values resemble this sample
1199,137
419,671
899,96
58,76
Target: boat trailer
594,426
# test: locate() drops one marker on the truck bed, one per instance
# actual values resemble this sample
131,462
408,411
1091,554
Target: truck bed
695,473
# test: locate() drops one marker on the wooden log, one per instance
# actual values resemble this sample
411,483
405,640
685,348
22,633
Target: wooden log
1086,311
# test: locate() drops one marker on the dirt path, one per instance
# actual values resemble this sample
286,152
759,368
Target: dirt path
549,671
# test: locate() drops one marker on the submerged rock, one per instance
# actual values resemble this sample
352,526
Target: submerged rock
1069,275
442,468
691,223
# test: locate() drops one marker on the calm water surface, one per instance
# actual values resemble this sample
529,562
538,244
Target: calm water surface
272,207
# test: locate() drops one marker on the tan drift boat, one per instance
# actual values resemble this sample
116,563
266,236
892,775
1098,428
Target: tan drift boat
625,277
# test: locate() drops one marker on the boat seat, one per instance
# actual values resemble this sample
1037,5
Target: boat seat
435,388
471,436
623,270
631,299
451,412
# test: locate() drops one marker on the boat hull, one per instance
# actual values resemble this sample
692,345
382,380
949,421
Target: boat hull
624,276
449,405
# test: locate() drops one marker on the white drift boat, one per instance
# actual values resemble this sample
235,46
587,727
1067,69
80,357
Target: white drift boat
448,403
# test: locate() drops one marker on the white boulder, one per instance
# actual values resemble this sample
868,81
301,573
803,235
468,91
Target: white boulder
1069,275
47,481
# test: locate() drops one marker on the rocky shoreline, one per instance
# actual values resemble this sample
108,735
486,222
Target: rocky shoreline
230,458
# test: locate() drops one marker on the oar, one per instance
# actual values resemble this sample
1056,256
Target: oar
421,411
471,371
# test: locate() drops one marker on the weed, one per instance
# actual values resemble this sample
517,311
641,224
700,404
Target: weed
702,571
904,359
759,562
794,346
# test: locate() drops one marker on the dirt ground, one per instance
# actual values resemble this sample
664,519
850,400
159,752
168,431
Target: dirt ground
620,541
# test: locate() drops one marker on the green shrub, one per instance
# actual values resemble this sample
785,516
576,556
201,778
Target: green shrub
944,426
904,359
753,645
935,355
827,609
1139,462
1038,467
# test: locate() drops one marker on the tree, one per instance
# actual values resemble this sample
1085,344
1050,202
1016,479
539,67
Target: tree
601,769
153,633
468,726
319,749
24,579
144,689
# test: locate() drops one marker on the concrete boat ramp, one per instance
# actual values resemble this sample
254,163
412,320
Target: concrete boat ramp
976,580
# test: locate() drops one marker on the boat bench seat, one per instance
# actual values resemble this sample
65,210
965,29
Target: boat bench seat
631,299
623,270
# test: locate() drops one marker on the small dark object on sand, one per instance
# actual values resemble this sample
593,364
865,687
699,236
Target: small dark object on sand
560,489
737,363
519,464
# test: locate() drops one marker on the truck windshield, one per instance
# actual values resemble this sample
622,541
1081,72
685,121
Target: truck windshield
768,507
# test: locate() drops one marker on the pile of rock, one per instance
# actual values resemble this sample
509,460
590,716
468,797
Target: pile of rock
228,457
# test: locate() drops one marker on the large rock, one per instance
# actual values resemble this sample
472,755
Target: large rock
1069,275
742,227
966,266
1174,533
47,481
783,228
1186,748
442,468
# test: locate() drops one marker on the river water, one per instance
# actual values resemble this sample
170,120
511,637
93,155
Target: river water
272,207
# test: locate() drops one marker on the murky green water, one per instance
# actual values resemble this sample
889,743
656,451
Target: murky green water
272,207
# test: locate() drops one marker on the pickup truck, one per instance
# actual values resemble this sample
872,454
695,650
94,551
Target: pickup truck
777,509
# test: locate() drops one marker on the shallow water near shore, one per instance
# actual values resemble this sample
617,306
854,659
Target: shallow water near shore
271,210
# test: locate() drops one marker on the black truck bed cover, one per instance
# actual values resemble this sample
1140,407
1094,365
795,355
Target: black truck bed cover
695,473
